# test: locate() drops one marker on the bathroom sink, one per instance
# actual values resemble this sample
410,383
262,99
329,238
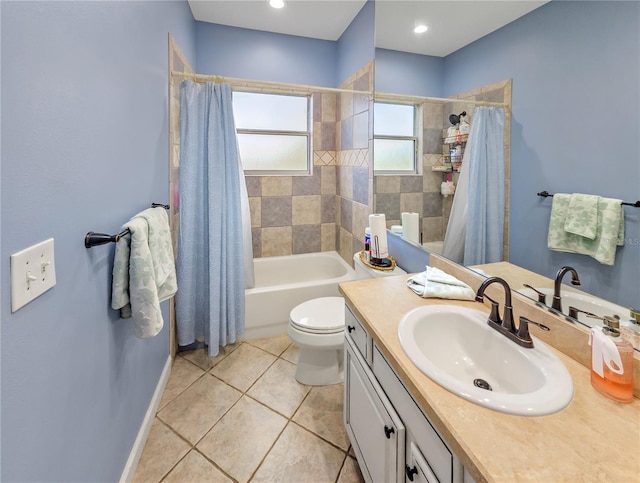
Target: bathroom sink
581,301
455,347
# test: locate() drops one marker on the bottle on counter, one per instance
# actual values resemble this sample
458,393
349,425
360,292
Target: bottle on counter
611,361
367,244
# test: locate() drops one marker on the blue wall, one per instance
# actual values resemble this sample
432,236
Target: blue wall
356,44
409,74
265,56
84,147
576,111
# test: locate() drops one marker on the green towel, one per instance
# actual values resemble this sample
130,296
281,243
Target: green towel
144,271
609,230
582,215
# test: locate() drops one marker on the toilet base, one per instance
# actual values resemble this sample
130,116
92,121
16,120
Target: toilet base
320,367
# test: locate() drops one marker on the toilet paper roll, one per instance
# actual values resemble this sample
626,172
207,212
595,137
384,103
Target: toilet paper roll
378,225
411,227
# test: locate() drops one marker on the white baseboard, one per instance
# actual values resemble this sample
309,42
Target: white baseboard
138,446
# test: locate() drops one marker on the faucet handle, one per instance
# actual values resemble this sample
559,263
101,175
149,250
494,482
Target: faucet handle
573,312
523,330
635,315
542,297
494,316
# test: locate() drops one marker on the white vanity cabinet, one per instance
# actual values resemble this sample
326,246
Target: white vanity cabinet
391,436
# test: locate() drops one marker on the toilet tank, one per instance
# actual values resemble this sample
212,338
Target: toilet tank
362,271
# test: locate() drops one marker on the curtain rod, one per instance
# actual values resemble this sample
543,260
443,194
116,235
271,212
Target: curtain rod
281,85
391,96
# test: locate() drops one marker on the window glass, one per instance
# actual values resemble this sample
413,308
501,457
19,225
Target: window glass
274,133
394,138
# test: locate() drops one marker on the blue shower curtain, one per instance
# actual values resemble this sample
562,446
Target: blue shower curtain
210,264
477,213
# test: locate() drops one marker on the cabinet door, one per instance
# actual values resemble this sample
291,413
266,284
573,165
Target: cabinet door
376,432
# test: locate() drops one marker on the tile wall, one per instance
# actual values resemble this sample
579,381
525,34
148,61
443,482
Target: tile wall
328,210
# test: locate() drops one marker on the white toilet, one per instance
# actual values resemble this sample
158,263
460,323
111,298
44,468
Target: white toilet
317,328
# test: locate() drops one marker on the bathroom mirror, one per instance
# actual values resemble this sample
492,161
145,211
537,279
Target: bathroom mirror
547,152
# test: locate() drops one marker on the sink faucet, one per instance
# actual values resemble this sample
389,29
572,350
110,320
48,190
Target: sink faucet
506,326
575,280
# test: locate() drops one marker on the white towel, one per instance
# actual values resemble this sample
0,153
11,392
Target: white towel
144,271
434,283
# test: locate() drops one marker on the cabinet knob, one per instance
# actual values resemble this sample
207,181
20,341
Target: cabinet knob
410,472
350,328
388,431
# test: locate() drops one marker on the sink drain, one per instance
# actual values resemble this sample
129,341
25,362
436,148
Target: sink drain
482,384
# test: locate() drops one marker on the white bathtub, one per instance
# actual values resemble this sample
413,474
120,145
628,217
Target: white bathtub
284,282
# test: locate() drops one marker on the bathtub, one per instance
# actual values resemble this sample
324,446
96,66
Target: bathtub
284,282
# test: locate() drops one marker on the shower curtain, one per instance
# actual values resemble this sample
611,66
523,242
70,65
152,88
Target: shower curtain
214,263
475,232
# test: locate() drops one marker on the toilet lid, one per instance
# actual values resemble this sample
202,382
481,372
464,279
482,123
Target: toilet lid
323,315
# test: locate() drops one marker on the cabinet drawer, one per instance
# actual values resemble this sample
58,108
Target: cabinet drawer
441,460
359,336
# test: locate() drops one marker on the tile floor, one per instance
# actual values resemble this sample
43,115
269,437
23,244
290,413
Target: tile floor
242,416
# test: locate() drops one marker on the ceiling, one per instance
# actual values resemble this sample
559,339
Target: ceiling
452,23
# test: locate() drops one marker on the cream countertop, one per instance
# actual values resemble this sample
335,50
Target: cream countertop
592,439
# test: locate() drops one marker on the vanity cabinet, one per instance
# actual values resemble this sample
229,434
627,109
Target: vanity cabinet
392,438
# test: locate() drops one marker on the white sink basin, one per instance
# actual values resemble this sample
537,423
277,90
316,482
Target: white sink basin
455,346
581,301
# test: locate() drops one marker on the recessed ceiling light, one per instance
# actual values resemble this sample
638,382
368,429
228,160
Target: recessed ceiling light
420,29
276,3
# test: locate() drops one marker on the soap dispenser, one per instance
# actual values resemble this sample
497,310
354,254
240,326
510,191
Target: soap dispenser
611,361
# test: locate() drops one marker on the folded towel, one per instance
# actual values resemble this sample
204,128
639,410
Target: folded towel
609,230
434,283
144,271
582,215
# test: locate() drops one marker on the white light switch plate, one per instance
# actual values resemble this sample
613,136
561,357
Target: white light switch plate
33,272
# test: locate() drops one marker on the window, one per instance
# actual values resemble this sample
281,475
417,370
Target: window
274,134
395,143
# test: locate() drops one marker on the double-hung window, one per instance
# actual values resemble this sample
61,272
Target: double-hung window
395,143
274,132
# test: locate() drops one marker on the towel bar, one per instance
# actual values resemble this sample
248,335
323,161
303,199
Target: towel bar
546,194
92,239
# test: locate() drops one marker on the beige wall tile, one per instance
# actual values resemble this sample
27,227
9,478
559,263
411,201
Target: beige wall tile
387,184
328,236
328,107
411,202
346,105
346,246
360,219
328,181
276,241
277,186
255,206
346,182
305,210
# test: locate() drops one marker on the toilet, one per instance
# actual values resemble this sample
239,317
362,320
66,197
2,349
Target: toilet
317,328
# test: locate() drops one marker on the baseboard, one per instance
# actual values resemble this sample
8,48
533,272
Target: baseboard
138,446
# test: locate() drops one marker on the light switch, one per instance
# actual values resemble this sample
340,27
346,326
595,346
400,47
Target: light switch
33,272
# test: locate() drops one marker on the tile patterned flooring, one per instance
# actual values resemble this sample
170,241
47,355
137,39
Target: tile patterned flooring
242,416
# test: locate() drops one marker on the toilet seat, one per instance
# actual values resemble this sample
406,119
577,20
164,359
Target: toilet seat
324,315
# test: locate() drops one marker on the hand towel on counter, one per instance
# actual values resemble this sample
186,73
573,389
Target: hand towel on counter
609,230
434,283
144,271
582,215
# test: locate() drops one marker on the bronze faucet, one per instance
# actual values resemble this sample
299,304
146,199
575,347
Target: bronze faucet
506,326
575,280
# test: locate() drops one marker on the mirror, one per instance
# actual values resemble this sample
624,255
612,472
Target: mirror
556,140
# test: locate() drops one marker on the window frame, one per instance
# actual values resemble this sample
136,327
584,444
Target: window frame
417,165
308,171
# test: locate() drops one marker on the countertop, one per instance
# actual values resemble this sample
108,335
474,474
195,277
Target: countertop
592,439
